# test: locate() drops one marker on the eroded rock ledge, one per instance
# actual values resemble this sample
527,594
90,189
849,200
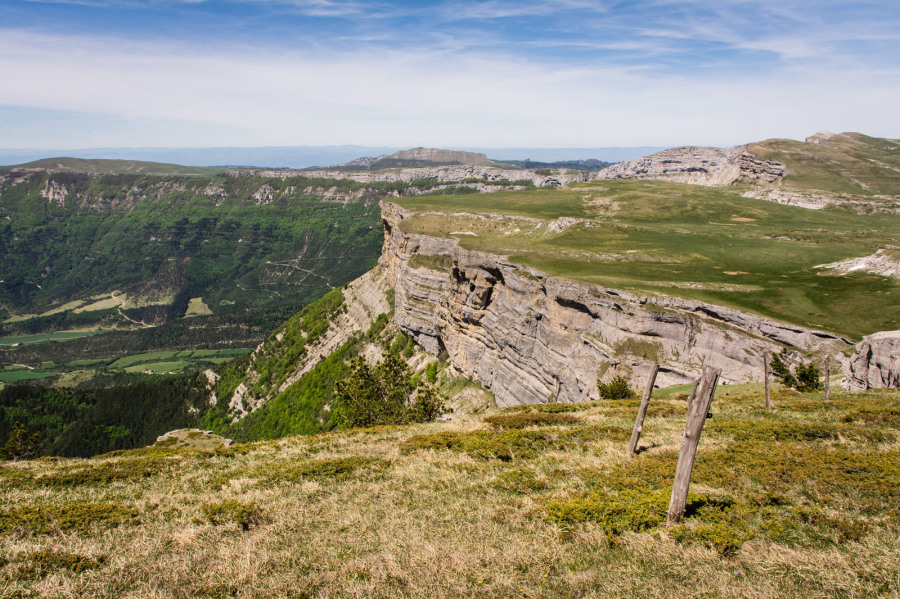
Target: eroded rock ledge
699,166
532,338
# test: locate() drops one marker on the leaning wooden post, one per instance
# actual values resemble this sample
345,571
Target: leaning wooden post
689,443
642,411
827,378
693,394
766,370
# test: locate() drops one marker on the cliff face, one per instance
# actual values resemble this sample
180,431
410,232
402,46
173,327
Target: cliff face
443,174
699,166
531,338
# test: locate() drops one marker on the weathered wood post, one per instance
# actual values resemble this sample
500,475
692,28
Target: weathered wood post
827,378
766,371
689,443
642,411
693,394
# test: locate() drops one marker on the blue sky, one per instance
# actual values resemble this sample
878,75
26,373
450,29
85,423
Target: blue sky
495,73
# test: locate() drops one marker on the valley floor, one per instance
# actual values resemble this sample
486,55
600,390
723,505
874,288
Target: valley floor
523,502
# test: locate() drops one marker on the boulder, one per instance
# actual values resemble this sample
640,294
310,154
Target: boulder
876,363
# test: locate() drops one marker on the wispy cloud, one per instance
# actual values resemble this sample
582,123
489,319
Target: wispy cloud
263,72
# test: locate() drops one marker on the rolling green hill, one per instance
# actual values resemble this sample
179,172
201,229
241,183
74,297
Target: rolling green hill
845,163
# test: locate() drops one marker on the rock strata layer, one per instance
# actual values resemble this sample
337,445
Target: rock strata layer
876,362
698,166
532,338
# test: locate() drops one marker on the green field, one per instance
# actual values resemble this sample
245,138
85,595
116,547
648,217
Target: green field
160,367
17,376
174,361
708,244
57,336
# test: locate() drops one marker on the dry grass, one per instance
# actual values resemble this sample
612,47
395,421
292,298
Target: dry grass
376,513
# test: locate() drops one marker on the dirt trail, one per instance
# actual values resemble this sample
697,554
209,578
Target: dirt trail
125,316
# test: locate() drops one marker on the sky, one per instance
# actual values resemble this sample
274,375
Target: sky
491,73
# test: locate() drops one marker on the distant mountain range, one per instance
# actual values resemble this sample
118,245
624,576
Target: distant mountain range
308,156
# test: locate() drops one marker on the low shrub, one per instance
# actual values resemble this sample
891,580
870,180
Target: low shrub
46,561
504,445
525,419
71,516
105,473
520,480
780,430
322,469
616,389
231,510
634,510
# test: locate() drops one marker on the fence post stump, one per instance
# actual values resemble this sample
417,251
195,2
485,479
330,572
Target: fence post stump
766,370
827,378
689,443
642,411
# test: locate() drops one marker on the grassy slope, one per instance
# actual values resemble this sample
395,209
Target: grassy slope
656,237
850,163
796,503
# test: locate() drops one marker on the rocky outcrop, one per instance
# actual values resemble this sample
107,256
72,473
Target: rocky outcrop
876,362
531,338
698,166
468,174
884,262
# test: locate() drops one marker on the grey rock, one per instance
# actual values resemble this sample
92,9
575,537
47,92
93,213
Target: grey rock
876,362
699,166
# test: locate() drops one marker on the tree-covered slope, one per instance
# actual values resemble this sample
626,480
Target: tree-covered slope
132,241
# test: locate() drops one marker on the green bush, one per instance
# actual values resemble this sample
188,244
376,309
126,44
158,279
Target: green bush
804,379
616,389
385,394
20,444
808,378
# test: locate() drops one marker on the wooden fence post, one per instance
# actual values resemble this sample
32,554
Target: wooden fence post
689,443
693,394
827,378
642,411
766,370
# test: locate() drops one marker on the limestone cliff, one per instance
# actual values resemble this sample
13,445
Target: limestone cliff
467,173
531,338
699,166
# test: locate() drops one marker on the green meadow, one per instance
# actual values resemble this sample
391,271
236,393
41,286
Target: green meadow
708,244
